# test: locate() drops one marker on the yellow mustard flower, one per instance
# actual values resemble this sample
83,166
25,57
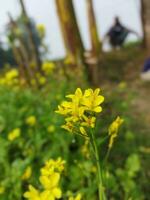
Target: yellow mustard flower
122,85
68,126
50,182
14,134
11,78
52,165
89,121
92,100
31,120
51,194
32,194
27,174
2,190
113,130
42,80
51,128
50,177
41,29
78,197
83,131
85,149
48,67
80,110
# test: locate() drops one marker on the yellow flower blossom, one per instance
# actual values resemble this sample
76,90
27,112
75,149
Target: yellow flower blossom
51,128
92,100
83,131
32,194
31,120
51,194
113,130
27,174
85,149
41,30
48,67
42,80
80,110
78,197
14,134
10,78
50,177
2,190
89,121
68,126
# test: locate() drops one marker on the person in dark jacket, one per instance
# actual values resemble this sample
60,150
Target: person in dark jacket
118,33
145,75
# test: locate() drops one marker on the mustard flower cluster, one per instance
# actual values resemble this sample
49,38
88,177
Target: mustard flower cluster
78,197
41,30
27,174
113,130
14,134
49,179
81,109
31,120
11,78
48,67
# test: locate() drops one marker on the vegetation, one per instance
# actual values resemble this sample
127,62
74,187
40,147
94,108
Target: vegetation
98,148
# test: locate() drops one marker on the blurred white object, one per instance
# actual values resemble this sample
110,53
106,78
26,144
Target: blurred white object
145,76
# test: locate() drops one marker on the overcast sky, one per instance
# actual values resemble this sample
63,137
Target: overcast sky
45,12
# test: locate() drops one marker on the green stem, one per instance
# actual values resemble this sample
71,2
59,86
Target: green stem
100,178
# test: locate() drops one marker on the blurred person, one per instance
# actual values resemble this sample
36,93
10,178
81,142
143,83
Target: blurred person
118,33
145,75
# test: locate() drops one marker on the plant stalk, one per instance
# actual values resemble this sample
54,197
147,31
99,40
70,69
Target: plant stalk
100,178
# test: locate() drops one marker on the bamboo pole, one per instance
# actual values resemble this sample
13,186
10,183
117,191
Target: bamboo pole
145,17
70,30
95,42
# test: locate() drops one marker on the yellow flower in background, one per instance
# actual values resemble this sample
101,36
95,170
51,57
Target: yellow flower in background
122,85
33,82
51,194
2,190
42,80
51,128
14,134
50,182
12,74
32,194
49,179
53,165
78,197
31,120
48,67
41,30
27,174
113,130
11,78
85,149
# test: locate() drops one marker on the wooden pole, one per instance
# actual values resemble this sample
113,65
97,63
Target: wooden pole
145,17
70,30
95,43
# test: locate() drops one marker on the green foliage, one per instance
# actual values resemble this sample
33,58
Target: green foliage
36,145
